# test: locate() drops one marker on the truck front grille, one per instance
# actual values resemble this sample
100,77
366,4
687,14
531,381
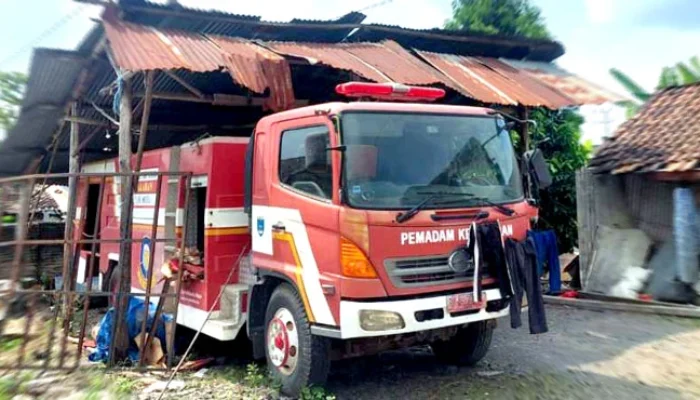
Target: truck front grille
423,271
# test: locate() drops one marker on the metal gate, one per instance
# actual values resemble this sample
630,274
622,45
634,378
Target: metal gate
63,302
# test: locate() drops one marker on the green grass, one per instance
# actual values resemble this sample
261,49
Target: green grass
10,344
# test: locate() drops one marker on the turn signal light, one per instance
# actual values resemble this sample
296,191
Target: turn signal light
392,91
353,262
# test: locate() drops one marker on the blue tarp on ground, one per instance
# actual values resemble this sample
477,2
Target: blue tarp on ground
135,315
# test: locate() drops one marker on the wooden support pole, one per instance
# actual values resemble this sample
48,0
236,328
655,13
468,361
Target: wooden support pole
143,131
73,168
120,337
524,133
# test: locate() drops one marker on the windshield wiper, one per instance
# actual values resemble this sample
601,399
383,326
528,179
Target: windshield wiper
470,196
500,208
405,216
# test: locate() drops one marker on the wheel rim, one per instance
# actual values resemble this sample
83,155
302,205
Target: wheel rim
282,342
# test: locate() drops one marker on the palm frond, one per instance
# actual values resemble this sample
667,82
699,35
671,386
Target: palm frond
631,86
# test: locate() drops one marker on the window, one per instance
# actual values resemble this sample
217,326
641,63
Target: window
305,162
195,219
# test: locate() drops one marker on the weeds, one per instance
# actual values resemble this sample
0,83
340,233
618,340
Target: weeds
96,384
10,344
255,376
124,387
316,393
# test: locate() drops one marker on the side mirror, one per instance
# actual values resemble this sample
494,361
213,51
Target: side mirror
538,169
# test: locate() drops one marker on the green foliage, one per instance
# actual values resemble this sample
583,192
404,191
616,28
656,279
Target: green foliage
677,75
12,86
9,344
505,17
255,376
558,135
124,387
316,393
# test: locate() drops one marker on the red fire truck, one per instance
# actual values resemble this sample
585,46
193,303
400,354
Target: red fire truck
355,217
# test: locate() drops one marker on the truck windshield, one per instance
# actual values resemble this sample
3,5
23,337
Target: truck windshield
396,160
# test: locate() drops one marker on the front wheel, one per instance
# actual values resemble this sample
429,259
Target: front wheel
468,346
295,358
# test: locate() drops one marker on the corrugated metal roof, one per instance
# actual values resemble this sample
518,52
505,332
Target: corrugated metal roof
663,137
506,82
584,92
141,48
379,62
491,81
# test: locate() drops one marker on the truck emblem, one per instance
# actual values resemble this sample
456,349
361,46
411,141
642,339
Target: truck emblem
261,226
460,261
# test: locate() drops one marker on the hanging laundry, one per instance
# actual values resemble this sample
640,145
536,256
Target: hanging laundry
521,258
493,258
547,252
686,235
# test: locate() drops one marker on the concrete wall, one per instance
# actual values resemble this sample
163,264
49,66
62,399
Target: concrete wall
623,202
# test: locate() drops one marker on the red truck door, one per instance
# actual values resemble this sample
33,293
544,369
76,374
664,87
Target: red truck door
297,233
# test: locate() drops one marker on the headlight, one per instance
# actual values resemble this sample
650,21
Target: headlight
375,320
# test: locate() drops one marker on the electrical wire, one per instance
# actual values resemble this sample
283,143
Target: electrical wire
46,33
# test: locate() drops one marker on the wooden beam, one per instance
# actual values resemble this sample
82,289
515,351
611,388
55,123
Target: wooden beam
143,131
184,84
73,168
160,127
218,99
121,343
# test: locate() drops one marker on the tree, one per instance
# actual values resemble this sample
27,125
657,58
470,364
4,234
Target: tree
12,86
558,132
504,17
677,75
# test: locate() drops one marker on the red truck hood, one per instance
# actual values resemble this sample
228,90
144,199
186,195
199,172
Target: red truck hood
411,258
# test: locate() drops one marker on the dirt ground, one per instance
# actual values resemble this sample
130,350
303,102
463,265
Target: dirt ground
585,355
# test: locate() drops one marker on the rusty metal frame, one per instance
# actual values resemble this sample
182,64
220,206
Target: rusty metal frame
73,245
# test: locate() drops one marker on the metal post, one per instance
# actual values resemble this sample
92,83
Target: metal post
149,273
120,337
73,168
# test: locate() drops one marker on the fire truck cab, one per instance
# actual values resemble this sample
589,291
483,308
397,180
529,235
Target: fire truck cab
354,219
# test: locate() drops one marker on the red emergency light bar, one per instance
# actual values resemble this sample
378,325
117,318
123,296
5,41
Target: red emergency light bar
389,91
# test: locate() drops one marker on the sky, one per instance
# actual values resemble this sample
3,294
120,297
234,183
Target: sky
639,37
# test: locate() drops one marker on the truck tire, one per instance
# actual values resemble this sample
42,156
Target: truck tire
295,358
113,285
468,346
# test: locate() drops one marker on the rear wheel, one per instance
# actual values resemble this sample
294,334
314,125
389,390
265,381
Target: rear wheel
295,358
468,346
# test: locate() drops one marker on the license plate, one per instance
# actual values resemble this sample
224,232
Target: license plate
464,302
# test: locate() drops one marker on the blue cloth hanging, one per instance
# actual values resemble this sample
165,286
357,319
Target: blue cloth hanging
548,252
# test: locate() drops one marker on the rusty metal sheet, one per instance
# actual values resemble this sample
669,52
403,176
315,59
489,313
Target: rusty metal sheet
468,82
395,62
581,90
379,62
258,69
492,81
332,55
663,137
142,48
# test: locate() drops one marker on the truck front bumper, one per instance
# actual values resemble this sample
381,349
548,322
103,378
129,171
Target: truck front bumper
350,326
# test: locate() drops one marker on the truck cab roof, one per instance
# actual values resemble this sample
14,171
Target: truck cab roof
339,107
